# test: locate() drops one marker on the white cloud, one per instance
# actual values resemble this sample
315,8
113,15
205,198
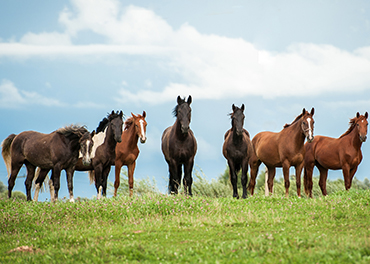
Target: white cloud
12,97
209,66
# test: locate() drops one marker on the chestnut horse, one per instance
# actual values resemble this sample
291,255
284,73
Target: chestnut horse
127,150
179,147
57,151
237,149
343,153
283,149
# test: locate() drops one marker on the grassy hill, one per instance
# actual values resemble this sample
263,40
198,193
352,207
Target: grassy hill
157,228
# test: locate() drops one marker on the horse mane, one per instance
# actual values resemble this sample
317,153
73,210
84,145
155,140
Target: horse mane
174,111
129,121
72,131
295,120
352,124
104,123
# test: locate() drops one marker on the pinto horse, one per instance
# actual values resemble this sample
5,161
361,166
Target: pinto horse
237,149
179,147
56,151
127,150
343,153
283,149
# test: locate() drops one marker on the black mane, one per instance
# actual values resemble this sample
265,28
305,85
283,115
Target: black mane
104,123
72,131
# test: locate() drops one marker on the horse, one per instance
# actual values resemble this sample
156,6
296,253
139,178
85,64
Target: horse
343,153
237,150
283,149
108,134
56,151
127,150
103,154
179,147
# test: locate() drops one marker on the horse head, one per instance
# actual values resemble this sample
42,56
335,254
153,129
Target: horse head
183,113
361,126
237,119
116,121
140,126
86,146
307,124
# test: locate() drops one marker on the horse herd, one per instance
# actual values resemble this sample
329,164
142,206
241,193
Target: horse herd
75,148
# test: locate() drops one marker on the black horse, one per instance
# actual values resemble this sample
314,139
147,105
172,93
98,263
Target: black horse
56,151
179,147
237,149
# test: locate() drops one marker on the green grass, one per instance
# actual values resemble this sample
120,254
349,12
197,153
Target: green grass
178,229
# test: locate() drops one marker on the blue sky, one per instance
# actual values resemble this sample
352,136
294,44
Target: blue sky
64,62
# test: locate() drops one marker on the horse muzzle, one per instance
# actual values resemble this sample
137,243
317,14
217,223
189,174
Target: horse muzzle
142,140
86,162
184,130
363,138
310,139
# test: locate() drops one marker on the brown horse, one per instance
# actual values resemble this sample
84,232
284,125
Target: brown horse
179,147
237,149
103,153
283,149
127,150
56,151
343,153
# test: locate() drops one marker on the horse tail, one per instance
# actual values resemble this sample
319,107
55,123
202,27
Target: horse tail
92,176
5,151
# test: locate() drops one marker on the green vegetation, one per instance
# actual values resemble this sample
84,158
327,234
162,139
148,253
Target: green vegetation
210,227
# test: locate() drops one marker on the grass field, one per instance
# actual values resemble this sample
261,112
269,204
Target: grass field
178,229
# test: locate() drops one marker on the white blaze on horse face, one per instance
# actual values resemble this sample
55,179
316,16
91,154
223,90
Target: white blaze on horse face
98,140
87,152
143,136
310,134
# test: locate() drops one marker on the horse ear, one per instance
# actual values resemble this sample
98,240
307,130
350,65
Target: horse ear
303,111
93,133
242,108
144,114
358,115
366,115
121,114
312,111
133,115
233,107
189,100
178,99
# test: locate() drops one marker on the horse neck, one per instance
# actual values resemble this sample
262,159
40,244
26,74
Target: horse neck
131,135
295,133
355,139
236,138
109,138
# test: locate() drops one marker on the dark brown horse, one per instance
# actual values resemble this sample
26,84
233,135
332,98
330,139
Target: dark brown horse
56,151
103,153
343,153
237,149
283,149
179,147
127,150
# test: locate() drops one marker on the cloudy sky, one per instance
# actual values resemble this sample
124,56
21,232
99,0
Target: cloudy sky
64,62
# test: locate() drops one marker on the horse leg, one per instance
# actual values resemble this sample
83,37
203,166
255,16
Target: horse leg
286,167
233,178
254,163
298,172
98,170
56,181
40,179
271,175
117,173
131,169
28,182
244,178
13,175
69,173
347,176
172,168
188,179
105,175
307,178
323,178
352,174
